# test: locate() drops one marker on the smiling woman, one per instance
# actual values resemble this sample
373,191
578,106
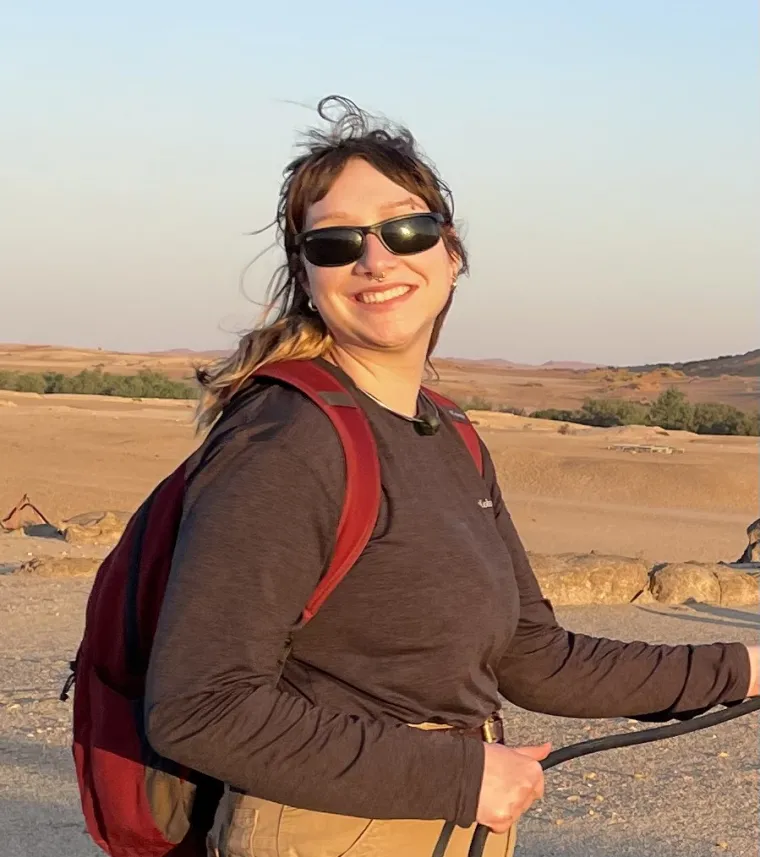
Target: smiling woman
362,732
372,260
382,286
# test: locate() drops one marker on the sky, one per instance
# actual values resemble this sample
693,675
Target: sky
604,158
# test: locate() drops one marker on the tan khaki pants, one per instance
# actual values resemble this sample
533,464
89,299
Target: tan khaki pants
250,827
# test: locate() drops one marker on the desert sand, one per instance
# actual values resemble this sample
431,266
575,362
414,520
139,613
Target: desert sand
567,492
692,796
580,491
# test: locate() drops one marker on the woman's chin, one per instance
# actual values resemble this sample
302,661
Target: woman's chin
396,338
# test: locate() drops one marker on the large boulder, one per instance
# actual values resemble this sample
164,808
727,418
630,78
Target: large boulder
707,583
95,528
737,589
676,583
573,579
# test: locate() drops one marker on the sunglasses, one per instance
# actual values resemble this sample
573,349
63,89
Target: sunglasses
334,246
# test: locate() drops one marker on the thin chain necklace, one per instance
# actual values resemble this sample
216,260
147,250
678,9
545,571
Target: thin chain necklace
383,405
424,425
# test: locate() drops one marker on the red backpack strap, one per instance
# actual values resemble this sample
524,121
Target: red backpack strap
462,424
362,494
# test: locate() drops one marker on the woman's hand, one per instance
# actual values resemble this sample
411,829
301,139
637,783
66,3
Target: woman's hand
512,780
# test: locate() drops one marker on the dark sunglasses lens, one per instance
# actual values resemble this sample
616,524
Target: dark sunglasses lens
333,247
411,234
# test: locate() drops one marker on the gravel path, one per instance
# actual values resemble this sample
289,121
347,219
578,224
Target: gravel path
692,796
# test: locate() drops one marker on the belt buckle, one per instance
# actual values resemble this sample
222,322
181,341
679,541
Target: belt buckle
489,728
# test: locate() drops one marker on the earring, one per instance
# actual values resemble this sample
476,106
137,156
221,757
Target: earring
310,304
454,282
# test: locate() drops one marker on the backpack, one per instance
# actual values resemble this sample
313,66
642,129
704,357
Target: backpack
136,803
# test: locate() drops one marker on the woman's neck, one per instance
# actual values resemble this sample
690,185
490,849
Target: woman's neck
393,380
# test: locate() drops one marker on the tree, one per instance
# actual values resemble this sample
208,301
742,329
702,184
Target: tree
30,383
671,410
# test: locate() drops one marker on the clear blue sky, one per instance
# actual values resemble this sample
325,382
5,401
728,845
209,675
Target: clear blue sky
604,155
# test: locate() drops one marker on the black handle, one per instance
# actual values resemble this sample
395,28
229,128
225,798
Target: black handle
609,742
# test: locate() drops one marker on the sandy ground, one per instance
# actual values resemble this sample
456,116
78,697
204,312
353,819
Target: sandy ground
567,492
693,796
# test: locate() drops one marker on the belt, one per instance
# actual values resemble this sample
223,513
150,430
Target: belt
491,730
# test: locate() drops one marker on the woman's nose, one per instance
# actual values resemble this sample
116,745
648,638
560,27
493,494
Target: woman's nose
376,259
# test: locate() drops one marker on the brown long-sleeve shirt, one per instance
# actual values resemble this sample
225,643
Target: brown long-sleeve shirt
440,614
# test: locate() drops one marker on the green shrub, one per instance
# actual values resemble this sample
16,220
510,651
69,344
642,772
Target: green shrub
671,411
476,403
29,383
147,384
714,418
556,414
612,412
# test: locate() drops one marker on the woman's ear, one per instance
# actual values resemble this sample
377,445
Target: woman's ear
455,261
302,278
456,266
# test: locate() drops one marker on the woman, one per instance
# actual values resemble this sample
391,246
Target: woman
442,610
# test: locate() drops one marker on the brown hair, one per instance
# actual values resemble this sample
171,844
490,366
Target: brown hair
296,332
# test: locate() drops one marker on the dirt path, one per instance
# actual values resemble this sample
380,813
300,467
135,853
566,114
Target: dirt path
694,796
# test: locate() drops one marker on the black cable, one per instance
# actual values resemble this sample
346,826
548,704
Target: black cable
609,742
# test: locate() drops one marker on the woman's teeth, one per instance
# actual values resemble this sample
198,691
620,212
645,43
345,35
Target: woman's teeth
380,297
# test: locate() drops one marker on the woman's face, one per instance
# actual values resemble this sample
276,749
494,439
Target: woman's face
381,301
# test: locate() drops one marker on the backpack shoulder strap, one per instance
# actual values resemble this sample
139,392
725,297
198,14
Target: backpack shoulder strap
462,424
363,492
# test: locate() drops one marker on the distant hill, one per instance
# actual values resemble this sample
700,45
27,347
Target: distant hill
575,365
501,363
177,362
189,352
745,365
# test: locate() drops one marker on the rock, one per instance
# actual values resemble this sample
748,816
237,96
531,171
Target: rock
60,566
736,588
95,528
752,551
708,583
676,583
574,579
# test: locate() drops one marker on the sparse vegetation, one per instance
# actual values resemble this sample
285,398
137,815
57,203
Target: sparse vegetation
146,384
671,410
476,403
